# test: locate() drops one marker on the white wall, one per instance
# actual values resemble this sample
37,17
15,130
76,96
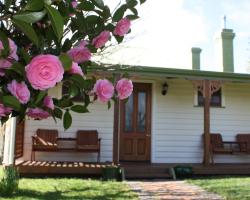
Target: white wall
178,124
1,144
99,118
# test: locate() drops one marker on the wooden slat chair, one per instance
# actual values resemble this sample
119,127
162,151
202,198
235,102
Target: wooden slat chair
44,140
88,141
217,145
244,142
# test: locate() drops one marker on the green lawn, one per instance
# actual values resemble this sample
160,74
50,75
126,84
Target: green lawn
70,188
232,188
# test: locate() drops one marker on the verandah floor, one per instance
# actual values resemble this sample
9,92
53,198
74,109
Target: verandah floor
61,168
132,170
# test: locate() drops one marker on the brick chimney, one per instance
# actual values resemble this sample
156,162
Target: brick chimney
225,50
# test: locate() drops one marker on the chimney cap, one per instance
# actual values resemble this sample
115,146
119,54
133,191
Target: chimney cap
196,50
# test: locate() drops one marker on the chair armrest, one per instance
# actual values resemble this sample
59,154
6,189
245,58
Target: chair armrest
34,138
230,142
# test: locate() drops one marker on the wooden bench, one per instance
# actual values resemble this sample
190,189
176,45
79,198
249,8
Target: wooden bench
244,142
44,140
218,146
47,141
88,141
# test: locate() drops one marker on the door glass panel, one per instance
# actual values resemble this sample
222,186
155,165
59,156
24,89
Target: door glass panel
129,108
141,115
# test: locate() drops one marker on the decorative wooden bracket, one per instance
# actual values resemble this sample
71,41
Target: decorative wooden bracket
214,86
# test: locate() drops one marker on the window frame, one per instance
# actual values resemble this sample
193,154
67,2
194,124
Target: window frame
222,99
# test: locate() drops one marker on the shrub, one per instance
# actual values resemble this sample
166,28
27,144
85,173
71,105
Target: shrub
9,181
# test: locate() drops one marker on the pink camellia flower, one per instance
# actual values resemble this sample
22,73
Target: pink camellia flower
7,62
124,88
104,90
100,40
74,3
44,71
122,27
80,53
48,102
83,43
2,72
37,113
76,69
4,110
20,91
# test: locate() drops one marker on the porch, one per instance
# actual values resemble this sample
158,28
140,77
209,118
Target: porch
132,170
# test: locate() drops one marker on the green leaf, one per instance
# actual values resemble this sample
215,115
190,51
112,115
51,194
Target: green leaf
79,109
11,101
106,13
132,17
92,19
78,80
58,113
27,30
4,39
25,56
119,39
56,20
86,5
40,96
109,104
131,3
64,103
18,68
81,22
119,13
34,5
133,10
98,3
67,45
73,90
142,1
30,17
110,27
66,61
67,120
7,4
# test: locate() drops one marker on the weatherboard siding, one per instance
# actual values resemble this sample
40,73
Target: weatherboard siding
99,118
1,144
178,124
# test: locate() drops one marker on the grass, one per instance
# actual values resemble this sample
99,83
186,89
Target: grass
70,189
231,188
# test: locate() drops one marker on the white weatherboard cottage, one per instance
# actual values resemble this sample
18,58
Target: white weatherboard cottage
163,121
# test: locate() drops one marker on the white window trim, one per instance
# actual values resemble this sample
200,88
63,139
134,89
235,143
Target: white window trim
223,102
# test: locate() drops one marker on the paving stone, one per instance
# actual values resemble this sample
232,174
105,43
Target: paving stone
170,190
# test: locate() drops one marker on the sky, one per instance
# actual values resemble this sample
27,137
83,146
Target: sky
168,29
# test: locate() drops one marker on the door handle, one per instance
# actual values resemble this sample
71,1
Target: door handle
147,135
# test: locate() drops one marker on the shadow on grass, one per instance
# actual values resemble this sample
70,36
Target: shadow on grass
86,193
30,194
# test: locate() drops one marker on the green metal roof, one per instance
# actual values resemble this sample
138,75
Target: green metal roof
172,72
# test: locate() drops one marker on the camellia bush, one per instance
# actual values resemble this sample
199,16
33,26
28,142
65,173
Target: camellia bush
48,42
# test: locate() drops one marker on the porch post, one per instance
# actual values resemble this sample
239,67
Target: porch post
206,96
116,132
116,127
9,144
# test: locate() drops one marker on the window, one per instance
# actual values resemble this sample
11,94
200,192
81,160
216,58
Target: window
216,99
